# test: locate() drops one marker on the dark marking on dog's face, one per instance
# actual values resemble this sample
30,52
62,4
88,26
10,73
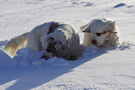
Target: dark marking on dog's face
99,34
51,45
51,39
56,48
53,27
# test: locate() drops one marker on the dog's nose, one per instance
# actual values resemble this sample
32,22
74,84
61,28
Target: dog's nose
94,42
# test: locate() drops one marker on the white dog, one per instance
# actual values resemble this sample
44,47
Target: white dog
57,39
101,32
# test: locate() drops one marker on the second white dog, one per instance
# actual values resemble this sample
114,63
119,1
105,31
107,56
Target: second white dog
101,32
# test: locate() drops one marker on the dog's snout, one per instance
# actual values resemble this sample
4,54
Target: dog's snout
94,42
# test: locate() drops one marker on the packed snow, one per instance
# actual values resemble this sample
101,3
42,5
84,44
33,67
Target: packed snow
111,68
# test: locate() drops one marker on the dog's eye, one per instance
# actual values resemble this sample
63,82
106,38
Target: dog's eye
98,34
104,32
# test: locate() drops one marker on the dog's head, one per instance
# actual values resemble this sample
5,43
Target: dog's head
54,46
101,31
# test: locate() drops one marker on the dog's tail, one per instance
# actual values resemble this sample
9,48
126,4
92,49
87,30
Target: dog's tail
16,43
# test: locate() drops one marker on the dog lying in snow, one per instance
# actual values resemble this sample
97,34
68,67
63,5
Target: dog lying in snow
55,38
101,32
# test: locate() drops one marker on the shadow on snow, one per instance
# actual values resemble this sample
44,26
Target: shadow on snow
29,77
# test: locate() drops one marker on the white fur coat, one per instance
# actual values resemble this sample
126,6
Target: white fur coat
64,36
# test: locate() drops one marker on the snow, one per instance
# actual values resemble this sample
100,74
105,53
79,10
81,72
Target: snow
97,69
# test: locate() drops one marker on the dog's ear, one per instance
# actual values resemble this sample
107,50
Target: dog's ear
88,30
84,27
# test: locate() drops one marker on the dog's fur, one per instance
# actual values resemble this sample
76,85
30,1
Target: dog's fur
55,38
101,32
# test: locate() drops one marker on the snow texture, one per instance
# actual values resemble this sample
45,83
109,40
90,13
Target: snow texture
111,68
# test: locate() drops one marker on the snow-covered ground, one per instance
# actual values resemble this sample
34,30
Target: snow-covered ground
97,69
